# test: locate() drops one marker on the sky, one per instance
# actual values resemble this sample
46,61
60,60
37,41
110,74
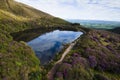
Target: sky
79,9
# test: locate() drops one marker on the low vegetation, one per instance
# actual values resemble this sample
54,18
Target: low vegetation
17,60
95,57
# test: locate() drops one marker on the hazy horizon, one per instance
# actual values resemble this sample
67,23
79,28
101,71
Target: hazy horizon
91,20
79,9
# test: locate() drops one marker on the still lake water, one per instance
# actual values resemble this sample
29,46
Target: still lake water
49,44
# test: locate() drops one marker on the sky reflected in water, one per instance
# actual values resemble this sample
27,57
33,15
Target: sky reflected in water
47,45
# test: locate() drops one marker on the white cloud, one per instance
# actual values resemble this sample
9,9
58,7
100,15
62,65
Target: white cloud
111,3
79,9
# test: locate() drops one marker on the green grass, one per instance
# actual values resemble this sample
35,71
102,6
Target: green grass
18,61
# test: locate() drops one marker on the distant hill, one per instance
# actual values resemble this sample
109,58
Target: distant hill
115,30
96,24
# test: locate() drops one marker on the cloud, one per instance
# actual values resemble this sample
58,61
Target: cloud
106,3
79,9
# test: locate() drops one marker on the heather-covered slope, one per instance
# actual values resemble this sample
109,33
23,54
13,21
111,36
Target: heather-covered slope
96,56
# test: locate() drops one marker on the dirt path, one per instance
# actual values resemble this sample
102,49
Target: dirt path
65,53
53,70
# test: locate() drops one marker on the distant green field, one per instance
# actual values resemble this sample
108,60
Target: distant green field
97,24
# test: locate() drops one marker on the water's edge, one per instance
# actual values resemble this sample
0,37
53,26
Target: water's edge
47,45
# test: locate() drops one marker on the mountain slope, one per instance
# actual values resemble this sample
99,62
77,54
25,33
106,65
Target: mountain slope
21,9
22,15
17,60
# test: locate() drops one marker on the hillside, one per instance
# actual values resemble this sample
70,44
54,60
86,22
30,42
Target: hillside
21,9
24,17
96,55
17,60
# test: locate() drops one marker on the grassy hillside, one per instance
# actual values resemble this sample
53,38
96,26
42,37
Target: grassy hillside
19,16
17,60
21,9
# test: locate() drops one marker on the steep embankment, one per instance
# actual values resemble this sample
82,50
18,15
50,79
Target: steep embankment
17,60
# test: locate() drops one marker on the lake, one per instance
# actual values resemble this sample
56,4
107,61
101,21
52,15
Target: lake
49,44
